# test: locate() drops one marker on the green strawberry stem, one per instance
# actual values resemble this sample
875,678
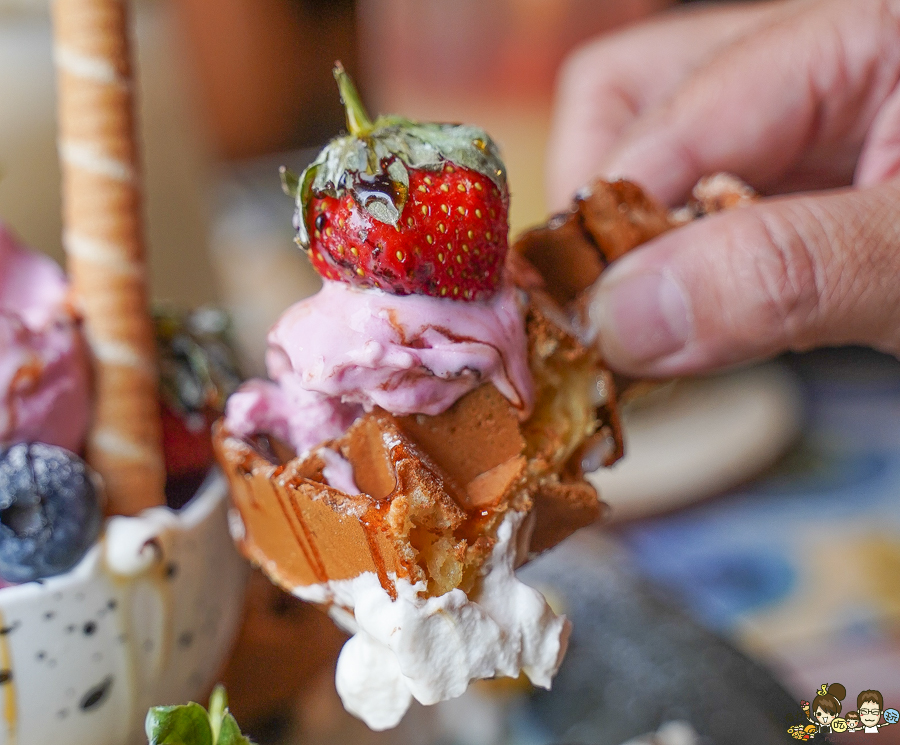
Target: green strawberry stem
218,705
358,121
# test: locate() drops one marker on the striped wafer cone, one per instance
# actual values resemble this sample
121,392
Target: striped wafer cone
104,245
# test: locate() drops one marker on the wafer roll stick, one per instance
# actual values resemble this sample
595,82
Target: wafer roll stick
104,244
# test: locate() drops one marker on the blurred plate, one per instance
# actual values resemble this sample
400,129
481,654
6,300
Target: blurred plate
700,438
637,663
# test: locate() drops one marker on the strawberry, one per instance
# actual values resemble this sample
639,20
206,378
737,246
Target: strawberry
404,207
450,239
187,449
198,371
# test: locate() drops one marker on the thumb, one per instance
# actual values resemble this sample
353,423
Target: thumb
783,274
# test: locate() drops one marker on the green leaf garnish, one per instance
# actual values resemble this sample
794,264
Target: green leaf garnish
191,724
178,725
230,733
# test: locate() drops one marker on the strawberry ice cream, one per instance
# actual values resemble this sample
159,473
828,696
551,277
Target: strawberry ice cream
44,367
347,350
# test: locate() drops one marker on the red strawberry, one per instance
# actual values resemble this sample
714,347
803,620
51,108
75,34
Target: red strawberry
450,239
186,450
198,371
405,207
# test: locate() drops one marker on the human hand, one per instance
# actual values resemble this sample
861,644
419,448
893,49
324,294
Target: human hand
788,95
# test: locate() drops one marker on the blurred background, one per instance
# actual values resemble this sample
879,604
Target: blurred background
754,548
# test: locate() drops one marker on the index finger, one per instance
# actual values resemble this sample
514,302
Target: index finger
809,83
609,83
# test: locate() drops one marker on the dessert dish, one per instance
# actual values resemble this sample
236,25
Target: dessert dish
430,412
90,633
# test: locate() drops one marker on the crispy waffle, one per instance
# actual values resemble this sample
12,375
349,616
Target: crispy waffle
435,488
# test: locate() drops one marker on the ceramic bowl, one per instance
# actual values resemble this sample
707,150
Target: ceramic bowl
147,617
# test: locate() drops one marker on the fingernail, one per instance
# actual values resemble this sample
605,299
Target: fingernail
641,318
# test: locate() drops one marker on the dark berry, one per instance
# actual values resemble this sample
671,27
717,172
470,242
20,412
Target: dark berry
50,511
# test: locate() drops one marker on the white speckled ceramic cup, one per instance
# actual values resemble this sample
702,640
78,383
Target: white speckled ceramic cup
147,617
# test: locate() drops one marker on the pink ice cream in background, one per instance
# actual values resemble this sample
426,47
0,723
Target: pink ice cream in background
347,350
44,364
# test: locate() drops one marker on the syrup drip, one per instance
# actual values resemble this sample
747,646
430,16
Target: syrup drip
289,509
373,521
380,187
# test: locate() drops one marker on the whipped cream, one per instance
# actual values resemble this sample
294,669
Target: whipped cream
347,350
431,648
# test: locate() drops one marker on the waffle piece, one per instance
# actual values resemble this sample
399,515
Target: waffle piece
606,220
433,488
408,528
721,191
303,532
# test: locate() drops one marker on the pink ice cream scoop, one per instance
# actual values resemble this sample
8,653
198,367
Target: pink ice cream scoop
44,364
347,350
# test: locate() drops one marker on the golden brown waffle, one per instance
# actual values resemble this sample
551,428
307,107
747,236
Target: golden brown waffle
607,219
434,488
434,491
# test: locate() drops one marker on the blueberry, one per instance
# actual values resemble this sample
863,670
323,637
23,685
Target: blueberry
50,511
